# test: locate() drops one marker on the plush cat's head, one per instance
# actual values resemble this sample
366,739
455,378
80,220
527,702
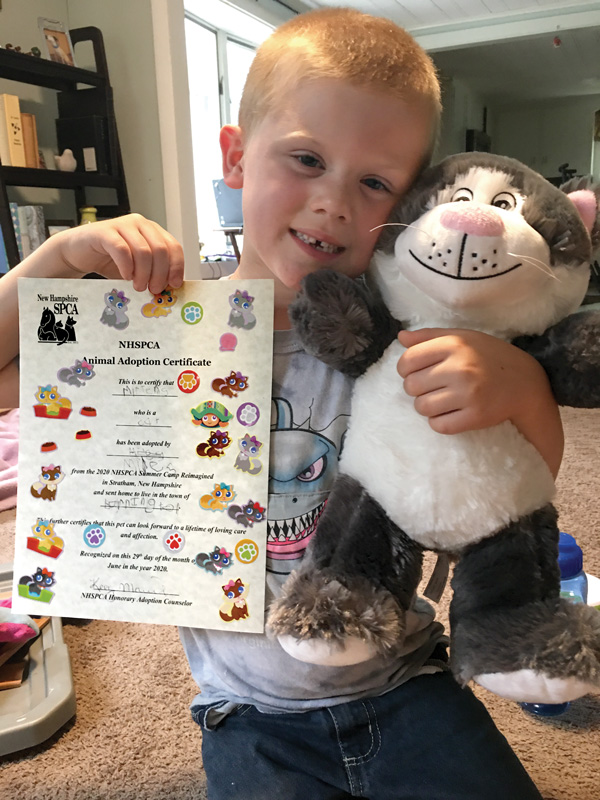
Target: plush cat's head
482,241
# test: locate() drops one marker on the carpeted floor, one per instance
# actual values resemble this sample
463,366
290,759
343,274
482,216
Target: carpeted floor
133,739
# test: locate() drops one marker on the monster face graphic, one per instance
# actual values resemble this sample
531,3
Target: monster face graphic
304,466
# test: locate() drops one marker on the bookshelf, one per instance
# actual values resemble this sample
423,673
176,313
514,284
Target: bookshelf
90,93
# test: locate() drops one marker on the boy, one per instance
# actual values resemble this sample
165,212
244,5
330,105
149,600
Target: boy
337,119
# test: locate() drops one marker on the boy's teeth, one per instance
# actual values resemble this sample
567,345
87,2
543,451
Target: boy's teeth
324,246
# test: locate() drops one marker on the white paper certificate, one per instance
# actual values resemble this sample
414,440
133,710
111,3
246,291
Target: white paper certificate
144,452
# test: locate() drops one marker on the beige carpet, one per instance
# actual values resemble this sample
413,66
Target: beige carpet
133,738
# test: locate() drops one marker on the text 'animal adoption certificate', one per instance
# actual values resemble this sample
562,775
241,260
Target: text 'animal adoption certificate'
144,452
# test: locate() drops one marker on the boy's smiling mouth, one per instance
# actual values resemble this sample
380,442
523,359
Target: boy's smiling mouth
317,244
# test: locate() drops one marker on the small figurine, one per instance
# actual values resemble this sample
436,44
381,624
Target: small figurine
66,162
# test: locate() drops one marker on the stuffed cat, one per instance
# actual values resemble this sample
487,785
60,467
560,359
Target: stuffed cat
481,242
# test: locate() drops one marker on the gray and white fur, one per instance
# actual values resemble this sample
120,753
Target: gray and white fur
483,243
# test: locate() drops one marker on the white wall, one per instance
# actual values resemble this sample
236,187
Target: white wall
19,27
463,109
129,41
549,133
127,30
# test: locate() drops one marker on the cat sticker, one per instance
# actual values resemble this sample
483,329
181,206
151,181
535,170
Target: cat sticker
115,310
45,487
242,311
44,539
235,606
37,586
214,562
220,497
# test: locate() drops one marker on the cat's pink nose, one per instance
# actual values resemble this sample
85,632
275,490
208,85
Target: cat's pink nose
473,219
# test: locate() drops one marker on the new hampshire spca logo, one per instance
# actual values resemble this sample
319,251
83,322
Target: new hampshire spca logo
54,327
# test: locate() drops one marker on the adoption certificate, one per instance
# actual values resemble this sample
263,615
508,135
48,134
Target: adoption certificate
144,452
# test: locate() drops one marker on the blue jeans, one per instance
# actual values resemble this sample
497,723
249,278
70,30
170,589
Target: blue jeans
426,740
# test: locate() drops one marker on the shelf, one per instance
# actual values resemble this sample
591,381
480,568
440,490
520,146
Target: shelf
73,100
43,72
55,179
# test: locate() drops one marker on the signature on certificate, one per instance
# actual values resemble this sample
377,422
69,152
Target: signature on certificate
127,587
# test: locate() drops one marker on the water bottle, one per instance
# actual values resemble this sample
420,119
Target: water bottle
573,587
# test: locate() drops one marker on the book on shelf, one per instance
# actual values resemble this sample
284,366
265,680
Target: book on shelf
25,242
29,223
4,267
30,140
36,225
14,214
12,148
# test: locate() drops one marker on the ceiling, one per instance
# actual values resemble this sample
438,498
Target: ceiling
503,49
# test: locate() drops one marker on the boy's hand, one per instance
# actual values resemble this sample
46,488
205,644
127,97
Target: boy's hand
130,247
465,380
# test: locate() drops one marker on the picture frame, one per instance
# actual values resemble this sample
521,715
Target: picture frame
57,45
57,225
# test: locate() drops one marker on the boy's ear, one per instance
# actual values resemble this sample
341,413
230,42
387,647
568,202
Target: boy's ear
232,149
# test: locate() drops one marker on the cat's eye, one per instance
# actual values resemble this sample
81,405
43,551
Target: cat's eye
462,195
505,200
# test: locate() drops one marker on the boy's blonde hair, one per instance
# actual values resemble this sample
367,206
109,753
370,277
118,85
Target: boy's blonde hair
368,52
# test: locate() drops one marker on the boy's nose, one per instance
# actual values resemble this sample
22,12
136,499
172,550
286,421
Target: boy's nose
333,200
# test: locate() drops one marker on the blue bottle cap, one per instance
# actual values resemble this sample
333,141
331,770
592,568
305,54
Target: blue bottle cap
570,556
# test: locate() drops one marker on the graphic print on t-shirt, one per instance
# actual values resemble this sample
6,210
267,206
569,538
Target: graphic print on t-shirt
303,468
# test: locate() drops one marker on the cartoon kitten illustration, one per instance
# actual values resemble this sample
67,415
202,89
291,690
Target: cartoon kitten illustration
41,579
45,488
215,445
214,562
115,312
160,305
232,385
78,374
247,515
235,607
49,396
44,531
220,497
241,315
246,459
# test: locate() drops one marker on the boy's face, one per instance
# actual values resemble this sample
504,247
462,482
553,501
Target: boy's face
319,174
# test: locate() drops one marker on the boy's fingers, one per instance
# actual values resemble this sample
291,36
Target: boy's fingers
419,356
422,381
435,403
142,258
117,249
458,421
410,338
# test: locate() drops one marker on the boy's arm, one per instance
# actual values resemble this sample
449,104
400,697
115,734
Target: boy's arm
466,380
129,247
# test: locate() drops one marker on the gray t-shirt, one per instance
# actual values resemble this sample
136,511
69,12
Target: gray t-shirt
310,409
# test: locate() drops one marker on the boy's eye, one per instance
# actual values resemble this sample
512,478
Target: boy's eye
307,160
377,185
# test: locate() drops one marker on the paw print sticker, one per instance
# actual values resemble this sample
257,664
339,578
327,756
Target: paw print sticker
188,381
173,541
94,535
192,313
248,414
246,551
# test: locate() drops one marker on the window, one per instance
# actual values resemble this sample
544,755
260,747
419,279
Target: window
220,42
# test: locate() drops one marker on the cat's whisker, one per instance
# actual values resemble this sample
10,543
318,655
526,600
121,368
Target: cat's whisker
535,262
397,224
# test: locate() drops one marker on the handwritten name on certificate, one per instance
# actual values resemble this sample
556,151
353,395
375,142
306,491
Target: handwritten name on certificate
144,452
